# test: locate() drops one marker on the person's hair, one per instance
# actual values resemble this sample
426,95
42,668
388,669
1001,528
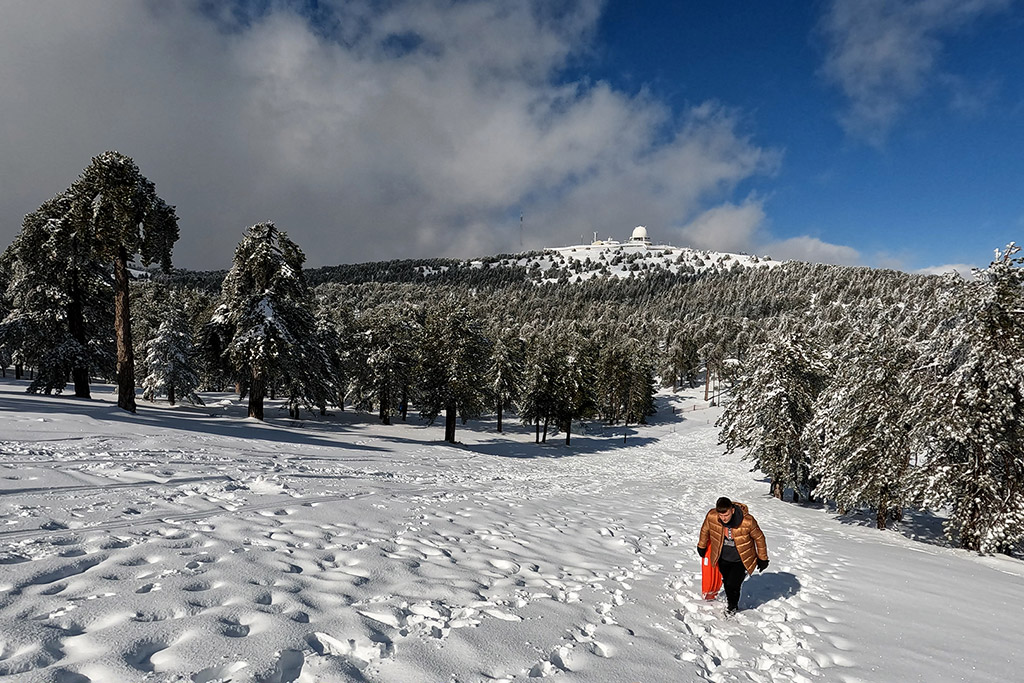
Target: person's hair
723,504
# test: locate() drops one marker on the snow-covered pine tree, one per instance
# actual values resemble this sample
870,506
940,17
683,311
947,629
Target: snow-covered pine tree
576,382
642,386
60,316
171,361
383,364
335,325
453,361
216,372
6,352
360,388
625,378
680,361
152,304
505,372
116,211
613,371
410,325
859,437
385,343
773,402
310,384
968,414
540,388
8,347
264,323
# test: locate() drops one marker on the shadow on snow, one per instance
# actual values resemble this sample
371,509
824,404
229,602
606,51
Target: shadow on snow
763,588
581,445
225,415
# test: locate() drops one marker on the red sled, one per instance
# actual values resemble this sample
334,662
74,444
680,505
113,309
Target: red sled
710,579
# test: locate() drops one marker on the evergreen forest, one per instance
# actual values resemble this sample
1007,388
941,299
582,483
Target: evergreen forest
866,389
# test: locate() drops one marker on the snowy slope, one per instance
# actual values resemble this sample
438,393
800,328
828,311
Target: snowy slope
191,544
584,262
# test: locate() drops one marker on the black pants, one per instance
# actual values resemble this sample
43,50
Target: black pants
733,574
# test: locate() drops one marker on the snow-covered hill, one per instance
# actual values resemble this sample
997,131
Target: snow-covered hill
584,262
191,544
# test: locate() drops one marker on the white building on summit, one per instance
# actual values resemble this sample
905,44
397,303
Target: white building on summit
637,241
633,258
639,235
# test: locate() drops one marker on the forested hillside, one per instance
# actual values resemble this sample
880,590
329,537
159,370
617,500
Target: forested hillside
868,388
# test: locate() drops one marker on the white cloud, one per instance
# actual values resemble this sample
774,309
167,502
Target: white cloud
814,250
420,129
729,228
883,54
741,229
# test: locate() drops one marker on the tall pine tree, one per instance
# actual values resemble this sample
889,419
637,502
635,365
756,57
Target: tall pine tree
773,403
576,381
540,393
968,411
115,209
505,372
171,361
384,343
60,317
859,437
454,356
264,324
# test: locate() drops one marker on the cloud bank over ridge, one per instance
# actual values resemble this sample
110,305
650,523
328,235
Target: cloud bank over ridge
421,129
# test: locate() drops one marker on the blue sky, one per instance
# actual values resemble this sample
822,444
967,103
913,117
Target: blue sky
937,181
859,132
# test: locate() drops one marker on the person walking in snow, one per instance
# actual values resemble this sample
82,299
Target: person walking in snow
736,543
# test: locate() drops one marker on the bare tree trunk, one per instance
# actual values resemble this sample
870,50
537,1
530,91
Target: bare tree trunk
568,432
881,517
384,401
501,405
170,393
80,378
257,390
123,333
450,415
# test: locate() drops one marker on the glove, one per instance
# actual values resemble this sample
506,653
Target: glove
761,564
701,551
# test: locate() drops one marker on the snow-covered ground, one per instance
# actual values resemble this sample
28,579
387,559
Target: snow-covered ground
191,544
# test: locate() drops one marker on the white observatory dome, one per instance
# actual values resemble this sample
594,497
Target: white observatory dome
639,234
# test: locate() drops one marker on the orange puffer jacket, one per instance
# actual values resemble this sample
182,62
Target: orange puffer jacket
748,536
